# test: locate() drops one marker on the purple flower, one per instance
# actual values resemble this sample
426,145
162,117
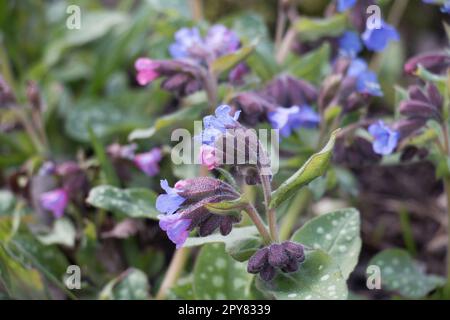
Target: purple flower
55,201
189,43
343,5
350,44
176,227
366,80
288,119
237,74
385,139
171,201
146,71
208,156
377,39
185,41
222,40
218,124
148,162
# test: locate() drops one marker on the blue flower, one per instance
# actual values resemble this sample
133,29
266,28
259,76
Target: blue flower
221,40
185,40
169,202
385,139
366,80
148,161
288,119
176,227
350,44
55,201
343,5
218,124
377,39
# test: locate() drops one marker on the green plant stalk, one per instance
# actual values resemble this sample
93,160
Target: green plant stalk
173,272
299,205
271,213
408,237
256,218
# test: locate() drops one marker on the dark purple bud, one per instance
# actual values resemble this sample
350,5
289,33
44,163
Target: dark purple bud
291,266
258,261
408,126
67,168
416,93
253,105
226,224
354,102
408,153
288,91
294,250
267,273
434,96
195,189
418,109
209,225
436,62
277,255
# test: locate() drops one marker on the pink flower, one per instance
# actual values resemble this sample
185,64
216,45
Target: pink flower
148,162
146,71
55,201
208,156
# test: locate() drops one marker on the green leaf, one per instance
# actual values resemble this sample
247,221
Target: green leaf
105,118
311,29
318,278
338,234
134,203
63,232
227,62
168,121
131,285
241,243
7,203
314,167
217,276
183,289
400,273
310,66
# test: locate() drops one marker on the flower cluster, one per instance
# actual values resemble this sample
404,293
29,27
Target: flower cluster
285,256
184,208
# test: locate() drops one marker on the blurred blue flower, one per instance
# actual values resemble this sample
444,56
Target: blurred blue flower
288,119
377,39
350,44
366,80
343,5
169,202
176,227
385,139
185,40
218,124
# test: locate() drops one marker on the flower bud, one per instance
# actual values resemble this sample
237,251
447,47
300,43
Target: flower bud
408,126
418,109
285,256
254,106
33,95
287,91
436,62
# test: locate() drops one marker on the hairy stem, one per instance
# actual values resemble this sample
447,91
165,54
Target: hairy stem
175,268
271,213
256,218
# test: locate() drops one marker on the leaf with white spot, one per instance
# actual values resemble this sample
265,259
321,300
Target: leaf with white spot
318,278
338,233
135,202
130,285
63,232
400,273
241,243
218,277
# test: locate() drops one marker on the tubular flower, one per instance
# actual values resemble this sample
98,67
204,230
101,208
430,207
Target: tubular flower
288,119
385,139
149,162
55,201
186,208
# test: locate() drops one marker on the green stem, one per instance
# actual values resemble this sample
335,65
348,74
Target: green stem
300,204
256,218
271,213
175,268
